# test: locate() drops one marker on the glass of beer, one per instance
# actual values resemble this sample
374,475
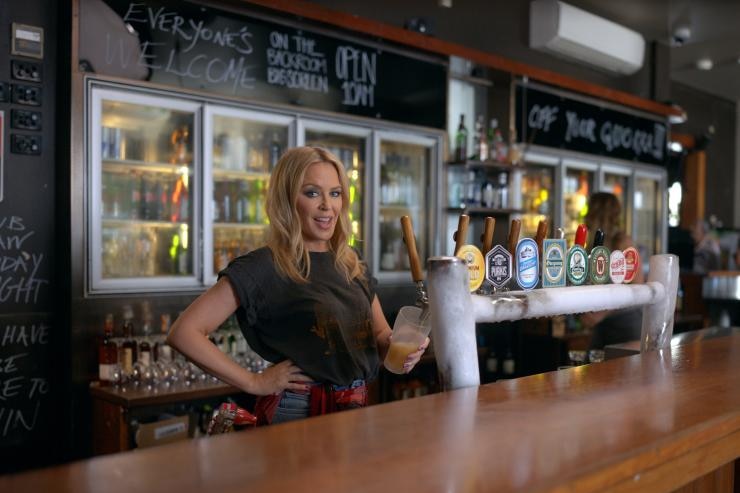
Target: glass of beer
408,335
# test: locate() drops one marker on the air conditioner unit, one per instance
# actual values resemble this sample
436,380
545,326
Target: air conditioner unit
578,35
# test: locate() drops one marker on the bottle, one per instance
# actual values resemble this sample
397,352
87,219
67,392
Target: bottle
488,193
107,353
472,191
162,350
276,150
128,352
502,191
461,141
509,365
135,189
499,146
491,137
481,146
145,346
492,363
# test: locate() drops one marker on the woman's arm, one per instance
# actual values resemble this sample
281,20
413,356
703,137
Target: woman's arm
189,335
382,332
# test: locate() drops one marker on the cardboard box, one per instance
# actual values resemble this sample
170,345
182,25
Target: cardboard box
161,432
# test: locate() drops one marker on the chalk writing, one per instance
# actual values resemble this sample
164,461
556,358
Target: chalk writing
19,269
295,62
23,383
358,70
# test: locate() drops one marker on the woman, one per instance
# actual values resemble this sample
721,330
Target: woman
303,302
611,327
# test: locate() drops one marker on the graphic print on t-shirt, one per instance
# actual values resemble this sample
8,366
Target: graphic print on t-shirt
328,328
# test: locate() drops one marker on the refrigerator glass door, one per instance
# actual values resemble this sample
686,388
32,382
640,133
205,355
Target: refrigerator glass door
579,179
143,181
648,215
241,149
350,145
407,164
537,200
616,180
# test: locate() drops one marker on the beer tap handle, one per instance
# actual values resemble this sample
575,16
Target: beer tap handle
516,226
541,233
408,237
461,233
487,236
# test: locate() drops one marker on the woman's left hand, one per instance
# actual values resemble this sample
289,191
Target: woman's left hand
414,357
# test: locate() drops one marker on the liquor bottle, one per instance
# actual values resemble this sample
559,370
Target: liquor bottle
472,190
128,352
107,353
259,202
509,364
179,141
481,146
491,137
135,205
162,350
499,146
145,346
182,256
461,141
487,194
502,191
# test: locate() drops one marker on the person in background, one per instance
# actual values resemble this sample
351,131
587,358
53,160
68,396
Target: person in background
611,326
706,248
304,302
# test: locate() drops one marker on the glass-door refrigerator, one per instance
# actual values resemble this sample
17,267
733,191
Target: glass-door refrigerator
618,181
142,182
650,224
351,144
241,148
407,171
578,183
533,192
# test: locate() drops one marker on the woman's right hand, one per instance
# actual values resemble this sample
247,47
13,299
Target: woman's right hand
278,377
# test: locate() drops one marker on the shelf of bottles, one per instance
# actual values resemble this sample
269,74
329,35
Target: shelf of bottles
577,188
351,151
403,178
146,179
137,355
244,154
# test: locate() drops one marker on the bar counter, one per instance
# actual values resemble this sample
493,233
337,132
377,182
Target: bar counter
649,422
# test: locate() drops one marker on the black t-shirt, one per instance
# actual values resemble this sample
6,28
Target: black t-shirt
323,326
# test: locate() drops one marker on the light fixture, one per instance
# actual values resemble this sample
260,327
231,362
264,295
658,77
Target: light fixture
675,146
705,63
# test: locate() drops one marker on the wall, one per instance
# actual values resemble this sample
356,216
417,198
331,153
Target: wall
33,337
707,111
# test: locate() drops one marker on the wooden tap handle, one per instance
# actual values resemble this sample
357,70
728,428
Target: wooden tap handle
410,240
487,236
516,226
462,232
541,233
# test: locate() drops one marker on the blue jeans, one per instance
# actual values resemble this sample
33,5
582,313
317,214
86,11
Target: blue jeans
297,405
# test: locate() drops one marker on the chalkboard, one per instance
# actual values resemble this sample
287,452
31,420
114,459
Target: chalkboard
191,46
552,120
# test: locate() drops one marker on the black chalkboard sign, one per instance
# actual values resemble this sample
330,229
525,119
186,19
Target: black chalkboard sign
182,44
551,120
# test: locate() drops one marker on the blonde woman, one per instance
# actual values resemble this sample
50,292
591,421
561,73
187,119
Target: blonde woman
304,302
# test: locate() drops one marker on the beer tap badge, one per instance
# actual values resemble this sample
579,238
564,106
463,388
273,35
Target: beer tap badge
527,263
498,266
599,268
476,265
632,264
553,257
617,267
577,265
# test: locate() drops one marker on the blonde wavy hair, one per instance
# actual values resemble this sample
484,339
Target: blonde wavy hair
605,213
285,238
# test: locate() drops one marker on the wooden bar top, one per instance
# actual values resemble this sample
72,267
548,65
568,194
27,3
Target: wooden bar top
649,422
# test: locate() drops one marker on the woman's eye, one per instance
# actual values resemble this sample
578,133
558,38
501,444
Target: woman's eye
311,193
336,193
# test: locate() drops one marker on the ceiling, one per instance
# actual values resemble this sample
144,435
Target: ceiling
715,34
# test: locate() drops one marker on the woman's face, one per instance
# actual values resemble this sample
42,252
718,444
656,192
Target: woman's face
319,205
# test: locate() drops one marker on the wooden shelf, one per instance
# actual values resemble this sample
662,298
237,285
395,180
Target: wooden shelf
473,164
139,396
